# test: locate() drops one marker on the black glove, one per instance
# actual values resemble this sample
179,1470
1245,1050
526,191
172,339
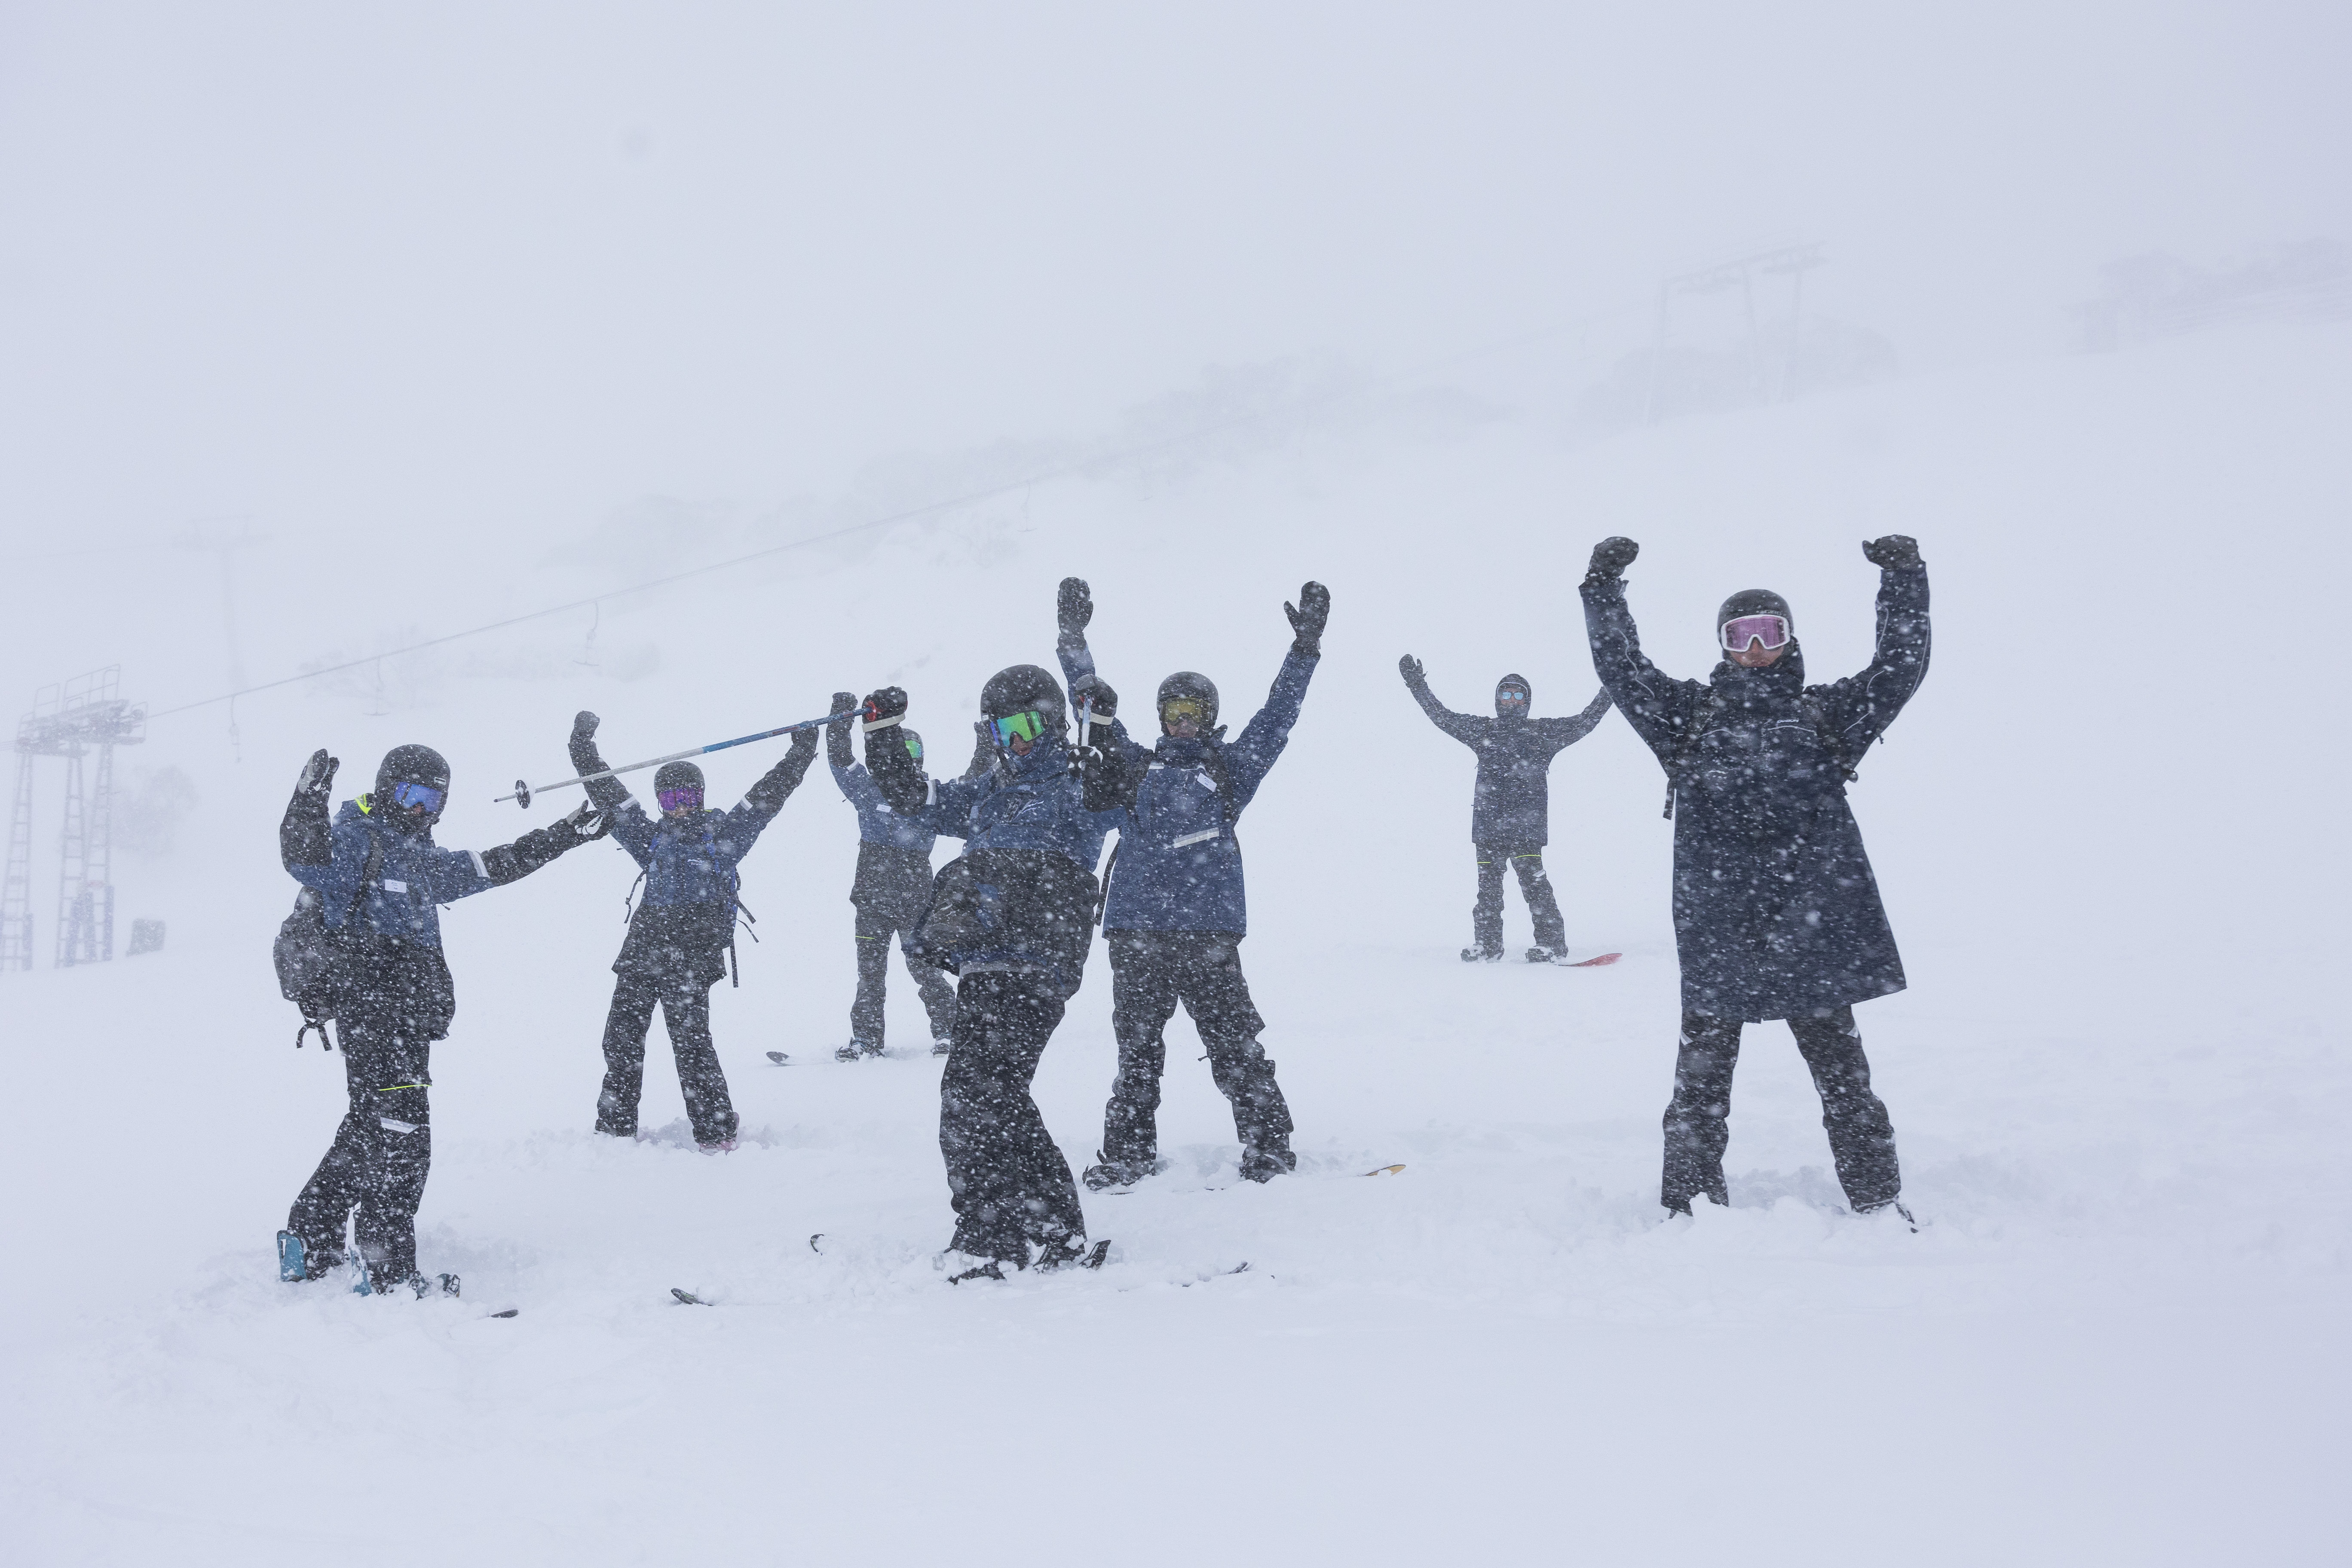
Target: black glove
1074,606
585,821
583,747
836,736
584,725
1409,667
1610,557
889,703
1093,690
805,743
318,780
1892,551
1307,620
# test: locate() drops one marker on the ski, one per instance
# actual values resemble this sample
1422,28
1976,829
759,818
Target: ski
689,1298
1384,1171
510,1312
780,1059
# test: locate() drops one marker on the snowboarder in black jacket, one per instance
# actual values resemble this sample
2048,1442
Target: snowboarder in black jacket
1013,918
1510,812
682,929
1776,912
378,881
1175,910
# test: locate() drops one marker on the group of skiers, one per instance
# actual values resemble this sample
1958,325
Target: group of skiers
1776,912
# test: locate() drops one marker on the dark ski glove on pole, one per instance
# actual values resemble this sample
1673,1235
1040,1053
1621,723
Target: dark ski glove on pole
584,726
1074,606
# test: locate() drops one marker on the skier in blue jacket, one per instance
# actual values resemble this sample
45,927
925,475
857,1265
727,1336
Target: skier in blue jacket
377,879
893,885
1013,918
1176,910
681,929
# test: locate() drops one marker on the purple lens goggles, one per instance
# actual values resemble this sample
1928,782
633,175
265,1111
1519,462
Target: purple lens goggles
406,795
1772,631
689,799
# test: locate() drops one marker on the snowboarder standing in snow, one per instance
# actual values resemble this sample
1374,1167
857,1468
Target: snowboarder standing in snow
893,887
1776,912
376,880
1510,813
1175,910
681,929
1013,918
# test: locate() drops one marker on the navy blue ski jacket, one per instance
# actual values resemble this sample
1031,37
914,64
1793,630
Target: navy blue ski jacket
877,823
1777,914
414,877
1178,865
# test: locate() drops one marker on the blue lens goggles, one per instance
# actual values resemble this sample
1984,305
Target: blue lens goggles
406,795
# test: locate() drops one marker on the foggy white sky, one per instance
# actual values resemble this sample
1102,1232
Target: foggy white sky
508,267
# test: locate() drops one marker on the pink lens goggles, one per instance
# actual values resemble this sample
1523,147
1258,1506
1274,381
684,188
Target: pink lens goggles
1772,631
679,799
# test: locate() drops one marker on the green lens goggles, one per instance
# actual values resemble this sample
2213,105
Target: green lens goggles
1029,726
914,747
1177,708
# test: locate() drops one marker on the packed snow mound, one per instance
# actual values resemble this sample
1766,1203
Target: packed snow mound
2106,832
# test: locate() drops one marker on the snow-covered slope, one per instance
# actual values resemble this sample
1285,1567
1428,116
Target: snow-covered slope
2110,836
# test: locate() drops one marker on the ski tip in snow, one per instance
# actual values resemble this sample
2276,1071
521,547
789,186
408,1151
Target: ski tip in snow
1594,963
1384,1171
689,1298
812,1244
1098,1255
780,1058
510,1312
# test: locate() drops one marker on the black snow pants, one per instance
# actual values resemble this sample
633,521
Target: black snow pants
382,1152
1861,1141
1151,972
877,924
1009,1182
684,1001
1487,915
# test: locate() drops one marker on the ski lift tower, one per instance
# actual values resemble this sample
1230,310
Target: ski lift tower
73,719
1740,272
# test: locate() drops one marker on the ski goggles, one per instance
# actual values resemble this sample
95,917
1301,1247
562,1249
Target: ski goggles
1029,726
1772,631
686,799
406,795
1178,708
1512,694
914,747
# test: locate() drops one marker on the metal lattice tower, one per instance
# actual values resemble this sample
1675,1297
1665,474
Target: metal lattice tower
74,720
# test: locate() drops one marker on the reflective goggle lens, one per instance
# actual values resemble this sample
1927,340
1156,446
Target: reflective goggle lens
406,795
1770,630
687,799
1512,694
1177,708
1019,727
914,747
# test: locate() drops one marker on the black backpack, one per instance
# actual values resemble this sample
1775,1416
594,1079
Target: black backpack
310,958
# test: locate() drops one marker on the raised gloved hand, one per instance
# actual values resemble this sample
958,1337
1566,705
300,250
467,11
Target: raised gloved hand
585,821
1409,667
1093,689
1074,606
318,774
582,746
584,725
805,743
888,706
1307,619
844,703
1892,551
837,735
1610,557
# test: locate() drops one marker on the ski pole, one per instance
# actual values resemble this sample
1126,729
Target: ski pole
523,792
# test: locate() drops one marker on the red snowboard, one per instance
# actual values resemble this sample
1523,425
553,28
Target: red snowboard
1594,963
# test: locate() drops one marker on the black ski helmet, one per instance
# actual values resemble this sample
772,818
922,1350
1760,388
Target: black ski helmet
1753,602
1022,689
410,764
677,775
1517,683
1192,684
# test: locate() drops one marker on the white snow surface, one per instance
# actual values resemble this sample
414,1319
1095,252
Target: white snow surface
2109,831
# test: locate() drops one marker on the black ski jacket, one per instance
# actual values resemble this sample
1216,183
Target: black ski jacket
1511,802
1776,912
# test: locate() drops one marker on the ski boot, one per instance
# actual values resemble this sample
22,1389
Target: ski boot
439,1285
1482,955
724,1146
857,1050
1067,1251
297,1263
1541,955
1265,1165
1890,1206
964,1268
1108,1174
